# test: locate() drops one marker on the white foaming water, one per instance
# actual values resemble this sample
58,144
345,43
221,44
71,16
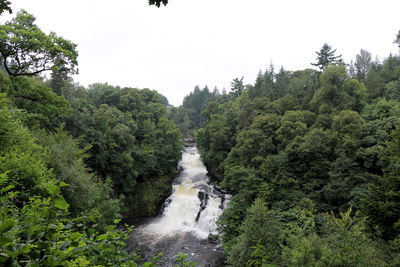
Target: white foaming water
194,204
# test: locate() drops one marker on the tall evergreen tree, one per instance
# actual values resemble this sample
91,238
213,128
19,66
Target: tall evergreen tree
258,89
326,56
237,87
362,64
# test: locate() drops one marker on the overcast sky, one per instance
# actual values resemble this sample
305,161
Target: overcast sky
210,42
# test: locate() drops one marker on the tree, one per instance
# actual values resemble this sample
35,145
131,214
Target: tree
158,2
374,81
362,64
382,204
26,50
44,106
5,6
261,229
397,41
237,87
338,92
282,79
326,56
66,160
164,100
302,85
195,103
258,89
343,242
331,94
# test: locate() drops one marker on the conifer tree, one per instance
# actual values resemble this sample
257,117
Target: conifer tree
237,87
326,56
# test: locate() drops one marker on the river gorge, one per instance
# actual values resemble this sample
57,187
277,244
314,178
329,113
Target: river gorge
188,221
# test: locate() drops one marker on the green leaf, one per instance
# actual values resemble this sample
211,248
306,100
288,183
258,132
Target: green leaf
101,237
61,204
62,184
53,189
74,236
25,249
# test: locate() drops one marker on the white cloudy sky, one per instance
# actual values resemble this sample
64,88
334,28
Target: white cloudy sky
210,42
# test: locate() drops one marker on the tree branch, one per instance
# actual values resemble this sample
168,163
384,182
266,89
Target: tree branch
6,67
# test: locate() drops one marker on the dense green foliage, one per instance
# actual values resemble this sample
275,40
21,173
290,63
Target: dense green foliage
189,117
26,50
74,161
35,225
312,160
132,142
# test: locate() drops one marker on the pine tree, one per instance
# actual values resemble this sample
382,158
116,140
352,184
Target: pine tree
326,56
237,87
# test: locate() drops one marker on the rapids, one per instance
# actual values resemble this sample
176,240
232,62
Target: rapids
188,221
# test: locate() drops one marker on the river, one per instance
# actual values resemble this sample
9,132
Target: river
188,221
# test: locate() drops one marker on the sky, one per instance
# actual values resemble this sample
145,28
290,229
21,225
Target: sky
172,49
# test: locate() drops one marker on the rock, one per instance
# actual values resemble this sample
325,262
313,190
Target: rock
212,259
213,239
203,242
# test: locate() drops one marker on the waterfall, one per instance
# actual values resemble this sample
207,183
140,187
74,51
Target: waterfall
194,205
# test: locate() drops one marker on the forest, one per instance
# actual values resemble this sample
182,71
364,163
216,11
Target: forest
77,165
311,158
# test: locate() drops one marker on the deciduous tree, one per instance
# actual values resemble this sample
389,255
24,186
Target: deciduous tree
27,50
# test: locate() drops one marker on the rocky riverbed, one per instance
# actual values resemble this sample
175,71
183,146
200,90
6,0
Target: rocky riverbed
205,252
